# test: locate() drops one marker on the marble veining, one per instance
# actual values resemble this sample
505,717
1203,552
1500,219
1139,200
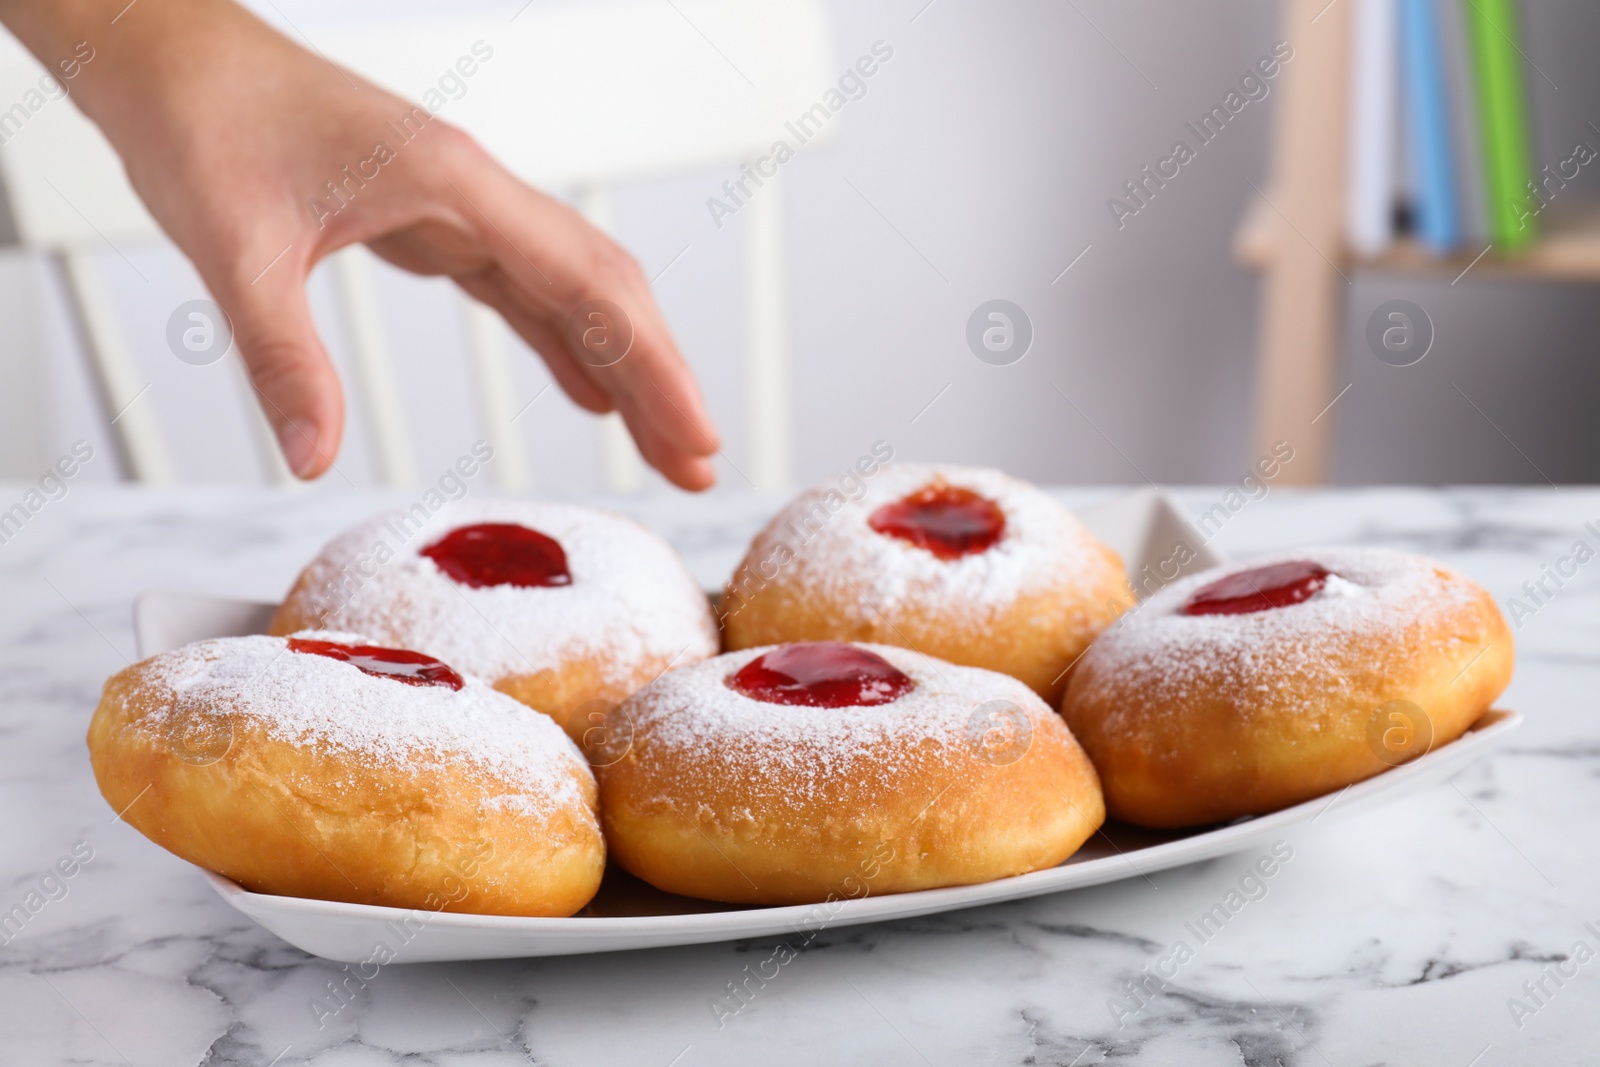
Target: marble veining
1399,935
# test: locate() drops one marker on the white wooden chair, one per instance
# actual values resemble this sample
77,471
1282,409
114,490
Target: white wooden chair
576,98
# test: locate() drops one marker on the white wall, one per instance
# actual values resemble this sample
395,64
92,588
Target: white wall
991,143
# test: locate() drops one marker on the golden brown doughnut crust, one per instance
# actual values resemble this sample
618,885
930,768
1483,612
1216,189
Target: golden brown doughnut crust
754,809
224,790
1198,720
579,695
819,572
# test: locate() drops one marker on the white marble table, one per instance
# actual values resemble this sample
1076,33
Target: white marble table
1396,936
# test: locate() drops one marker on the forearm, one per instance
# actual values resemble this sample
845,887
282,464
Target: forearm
125,62
234,136
52,27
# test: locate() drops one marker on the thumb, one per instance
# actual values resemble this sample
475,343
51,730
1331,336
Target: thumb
295,382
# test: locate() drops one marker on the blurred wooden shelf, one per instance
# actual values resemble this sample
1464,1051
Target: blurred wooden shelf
1294,233
1568,248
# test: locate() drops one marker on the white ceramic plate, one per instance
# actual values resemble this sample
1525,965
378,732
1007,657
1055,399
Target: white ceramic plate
627,914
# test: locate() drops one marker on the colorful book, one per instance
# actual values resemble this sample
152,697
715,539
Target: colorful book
1467,143
1374,165
1435,204
1494,28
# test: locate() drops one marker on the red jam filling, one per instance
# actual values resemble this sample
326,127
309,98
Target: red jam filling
946,520
821,674
500,553
412,668
1258,589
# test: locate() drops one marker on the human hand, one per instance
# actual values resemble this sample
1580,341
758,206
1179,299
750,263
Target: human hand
230,132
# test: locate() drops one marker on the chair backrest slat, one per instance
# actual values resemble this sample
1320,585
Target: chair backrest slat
486,340
123,396
369,350
766,329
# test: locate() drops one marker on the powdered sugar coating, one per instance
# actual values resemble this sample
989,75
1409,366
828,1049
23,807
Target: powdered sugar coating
631,599
797,750
325,705
1374,599
873,574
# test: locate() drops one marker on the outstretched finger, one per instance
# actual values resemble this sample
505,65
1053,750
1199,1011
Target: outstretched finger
293,378
490,288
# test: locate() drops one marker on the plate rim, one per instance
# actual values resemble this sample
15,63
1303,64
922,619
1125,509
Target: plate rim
1490,730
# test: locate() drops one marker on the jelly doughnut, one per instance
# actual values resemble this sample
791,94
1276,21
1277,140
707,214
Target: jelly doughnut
788,774
1255,686
964,564
566,608
323,766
